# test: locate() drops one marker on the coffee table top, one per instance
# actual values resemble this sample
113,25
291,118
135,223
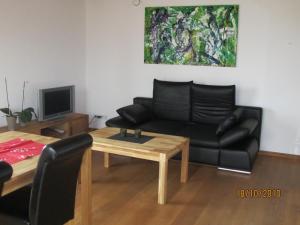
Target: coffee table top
161,143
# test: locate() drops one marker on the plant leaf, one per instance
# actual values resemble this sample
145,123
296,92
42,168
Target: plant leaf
25,116
31,110
6,111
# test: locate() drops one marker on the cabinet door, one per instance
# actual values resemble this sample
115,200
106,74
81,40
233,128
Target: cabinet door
80,125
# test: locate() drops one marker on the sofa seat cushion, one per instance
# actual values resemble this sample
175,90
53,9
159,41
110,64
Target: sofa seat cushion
203,135
212,104
162,126
204,155
172,100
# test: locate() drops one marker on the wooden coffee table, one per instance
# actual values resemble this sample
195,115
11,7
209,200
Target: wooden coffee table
160,149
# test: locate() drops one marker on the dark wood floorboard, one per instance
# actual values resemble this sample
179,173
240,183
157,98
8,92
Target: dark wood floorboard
126,194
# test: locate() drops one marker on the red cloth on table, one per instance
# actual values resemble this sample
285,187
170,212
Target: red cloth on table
18,149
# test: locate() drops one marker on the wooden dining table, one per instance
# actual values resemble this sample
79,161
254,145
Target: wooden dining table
23,173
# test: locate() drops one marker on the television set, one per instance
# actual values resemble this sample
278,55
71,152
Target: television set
55,103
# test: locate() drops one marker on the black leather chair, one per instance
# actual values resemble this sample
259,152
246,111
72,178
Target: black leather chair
5,173
50,200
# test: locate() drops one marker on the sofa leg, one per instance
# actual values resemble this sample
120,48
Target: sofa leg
232,170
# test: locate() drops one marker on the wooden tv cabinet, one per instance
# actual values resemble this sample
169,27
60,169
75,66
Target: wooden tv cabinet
71,124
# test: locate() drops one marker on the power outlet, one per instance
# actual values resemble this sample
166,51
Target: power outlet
97,121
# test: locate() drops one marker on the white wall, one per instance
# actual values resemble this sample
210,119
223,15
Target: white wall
267,73
42,42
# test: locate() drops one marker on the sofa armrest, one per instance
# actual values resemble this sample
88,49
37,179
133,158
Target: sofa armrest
239,132
135,113
119,122
250,124
147,102
233,135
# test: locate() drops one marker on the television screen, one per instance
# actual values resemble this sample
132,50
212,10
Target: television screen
55,102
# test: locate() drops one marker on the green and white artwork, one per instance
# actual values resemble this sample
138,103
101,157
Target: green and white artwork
191,35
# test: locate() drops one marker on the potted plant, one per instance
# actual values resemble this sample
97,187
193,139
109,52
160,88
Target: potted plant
11,118
25,115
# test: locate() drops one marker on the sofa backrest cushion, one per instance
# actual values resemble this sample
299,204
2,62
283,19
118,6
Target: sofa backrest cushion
172,100
212,104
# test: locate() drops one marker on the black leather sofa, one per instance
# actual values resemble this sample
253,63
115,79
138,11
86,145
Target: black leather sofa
199,112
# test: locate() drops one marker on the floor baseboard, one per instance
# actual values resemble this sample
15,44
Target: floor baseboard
280,155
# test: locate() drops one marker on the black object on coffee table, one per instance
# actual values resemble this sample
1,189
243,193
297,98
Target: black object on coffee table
137,137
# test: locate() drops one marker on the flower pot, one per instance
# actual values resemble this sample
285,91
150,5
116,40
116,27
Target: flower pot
22,124
11,122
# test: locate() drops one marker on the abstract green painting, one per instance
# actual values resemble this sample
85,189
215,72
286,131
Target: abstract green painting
191,35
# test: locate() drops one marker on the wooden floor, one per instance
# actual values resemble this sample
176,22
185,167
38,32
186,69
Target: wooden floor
126,194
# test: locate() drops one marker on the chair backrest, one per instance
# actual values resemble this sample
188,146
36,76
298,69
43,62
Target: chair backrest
5,173
52,200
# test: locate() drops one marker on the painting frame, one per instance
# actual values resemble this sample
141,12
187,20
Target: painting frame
205,35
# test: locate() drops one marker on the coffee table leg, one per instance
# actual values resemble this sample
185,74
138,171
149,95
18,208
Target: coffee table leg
106,160
162,179
185,162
